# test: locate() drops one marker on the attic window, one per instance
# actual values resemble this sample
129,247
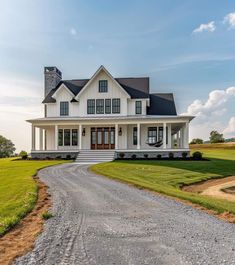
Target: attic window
103,86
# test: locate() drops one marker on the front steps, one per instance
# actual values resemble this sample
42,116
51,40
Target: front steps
94,156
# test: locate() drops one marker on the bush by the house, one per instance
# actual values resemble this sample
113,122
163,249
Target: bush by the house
184,155
171,155
121,155
23,154
133,156
159,156
146,156
197,155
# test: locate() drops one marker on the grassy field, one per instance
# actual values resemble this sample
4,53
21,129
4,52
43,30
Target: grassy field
168,176
18,190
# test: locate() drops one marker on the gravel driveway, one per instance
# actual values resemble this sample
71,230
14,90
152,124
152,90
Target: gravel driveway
100,221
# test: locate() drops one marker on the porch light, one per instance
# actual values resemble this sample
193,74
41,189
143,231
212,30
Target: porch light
83,132
120,131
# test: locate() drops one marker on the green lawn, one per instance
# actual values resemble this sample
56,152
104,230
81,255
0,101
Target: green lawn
168,176
18,190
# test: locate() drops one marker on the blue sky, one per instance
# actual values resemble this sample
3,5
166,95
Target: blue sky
164,40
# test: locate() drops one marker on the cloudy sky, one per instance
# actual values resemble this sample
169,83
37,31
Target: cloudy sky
184,46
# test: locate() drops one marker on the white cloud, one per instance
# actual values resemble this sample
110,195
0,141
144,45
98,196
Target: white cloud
230,129
205,27
73,32
230,19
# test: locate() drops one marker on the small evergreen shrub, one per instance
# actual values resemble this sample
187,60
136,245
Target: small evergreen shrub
23,155
133,156
121,155
171,155
159,156
184,155
146,156
197,155
68,157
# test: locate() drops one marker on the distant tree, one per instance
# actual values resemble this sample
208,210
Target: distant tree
216,137
7,148
23,154
196,141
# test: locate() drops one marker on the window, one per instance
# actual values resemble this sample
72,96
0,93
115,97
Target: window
107,106
103,86
152,135
74,137
135,136
66,137
90,106
99,106
64,108
60,137
116,105
138,107
160,133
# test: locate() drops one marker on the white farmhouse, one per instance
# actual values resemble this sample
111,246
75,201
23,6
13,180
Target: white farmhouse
103,117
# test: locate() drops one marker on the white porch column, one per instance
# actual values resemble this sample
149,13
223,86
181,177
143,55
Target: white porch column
186,135
164,135
45,139
33,137
178,139
116,136
80,137
56,137
138,136
181,138
169,136
40,139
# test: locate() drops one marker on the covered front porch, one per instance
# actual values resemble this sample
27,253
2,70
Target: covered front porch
120,136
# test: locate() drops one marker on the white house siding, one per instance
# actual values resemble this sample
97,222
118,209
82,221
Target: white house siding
131,106
92,92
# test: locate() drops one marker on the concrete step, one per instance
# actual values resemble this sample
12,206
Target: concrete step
94,156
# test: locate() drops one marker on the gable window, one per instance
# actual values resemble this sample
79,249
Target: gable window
134,135
107,106
152,135
66,137
103,86
74,137
138,107
90,106
100,106
116,105
64,108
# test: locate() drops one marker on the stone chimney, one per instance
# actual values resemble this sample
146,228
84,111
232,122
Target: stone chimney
52,76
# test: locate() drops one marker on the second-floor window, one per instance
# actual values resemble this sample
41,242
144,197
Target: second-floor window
90,106
107,106
103,86
138,107
64,108
100,106
116,105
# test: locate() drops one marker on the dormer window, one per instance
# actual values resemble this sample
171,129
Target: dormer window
103,86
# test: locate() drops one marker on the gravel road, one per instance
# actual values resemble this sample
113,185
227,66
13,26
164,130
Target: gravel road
100,221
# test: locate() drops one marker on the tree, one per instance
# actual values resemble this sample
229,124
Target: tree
216,137
197,141
23,154
7,148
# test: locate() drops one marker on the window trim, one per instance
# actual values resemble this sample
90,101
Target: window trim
138,107
116,108
91,108
63,110
103,86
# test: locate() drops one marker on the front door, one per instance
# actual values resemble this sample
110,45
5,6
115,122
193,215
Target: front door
103,138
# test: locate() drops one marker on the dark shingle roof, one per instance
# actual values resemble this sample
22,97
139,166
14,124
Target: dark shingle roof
162,104
135,87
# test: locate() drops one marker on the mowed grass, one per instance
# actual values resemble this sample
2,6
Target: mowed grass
18,190
167,177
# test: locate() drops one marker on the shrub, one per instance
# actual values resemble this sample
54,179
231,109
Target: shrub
121,155
159,156
133,156
23,154
171,155
184,155
47,215
197,155
58,157
68,157
146,156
